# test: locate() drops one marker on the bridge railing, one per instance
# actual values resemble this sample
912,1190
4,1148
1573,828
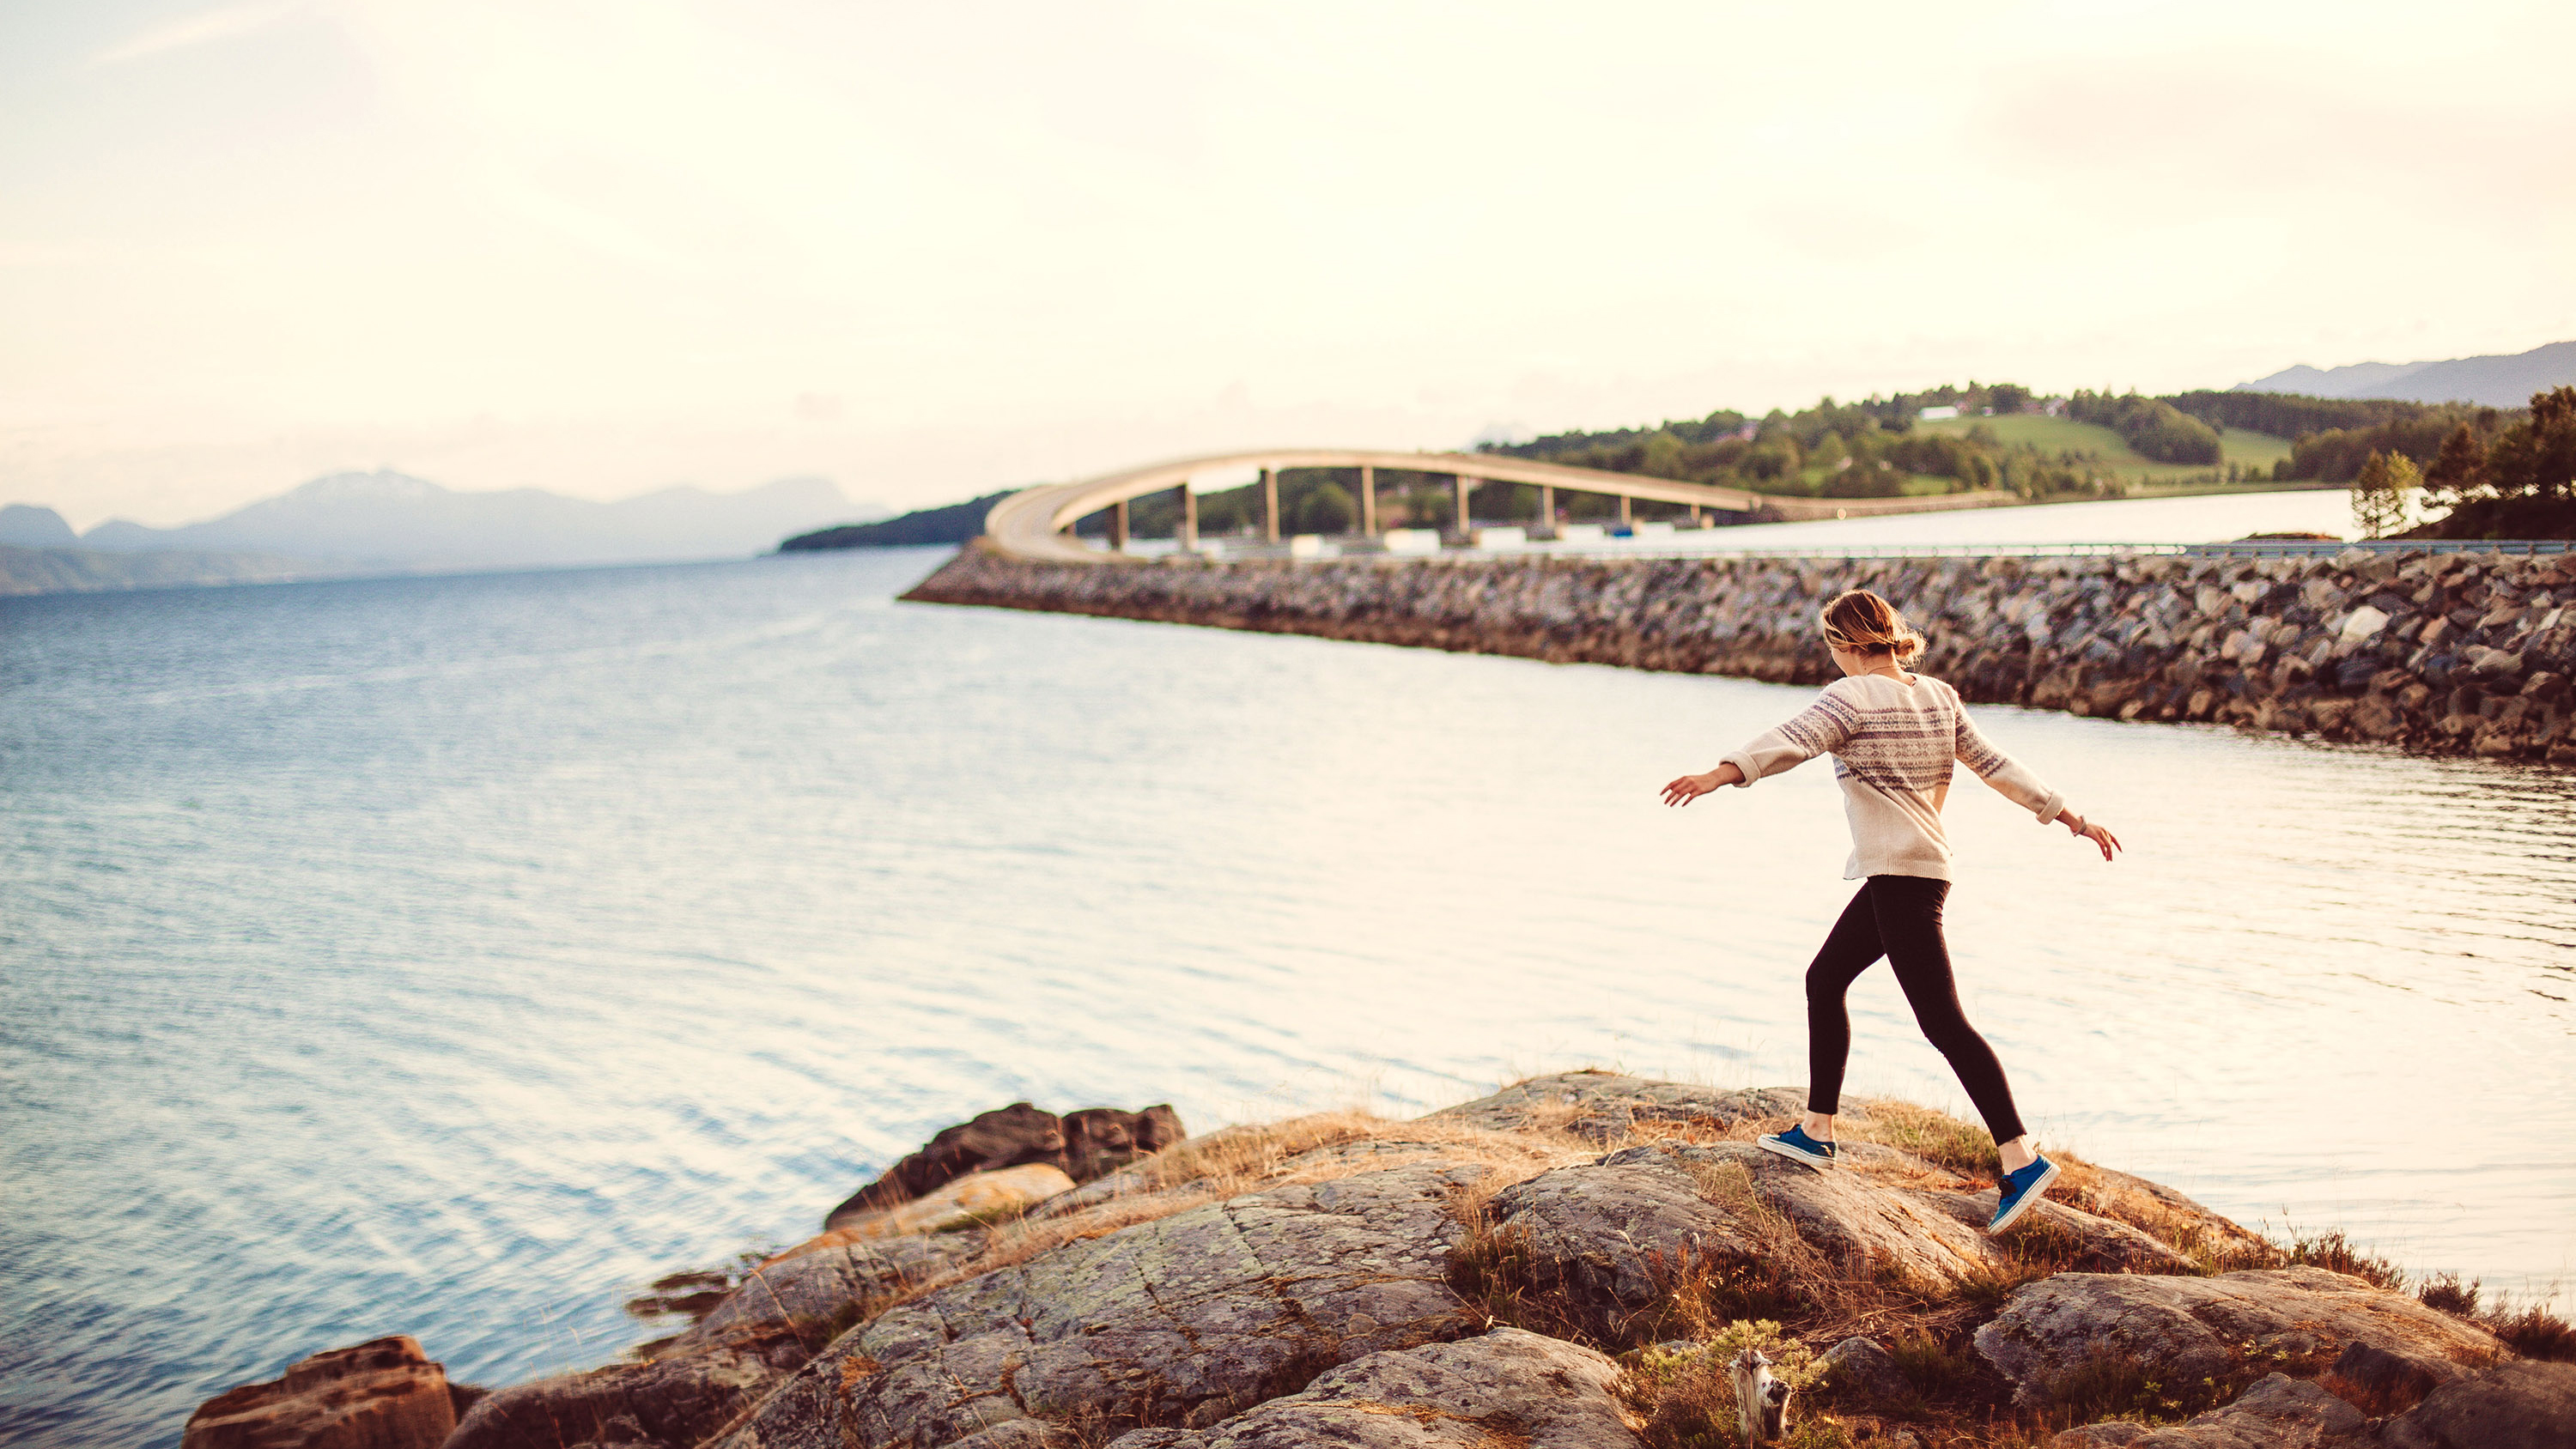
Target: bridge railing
1668,547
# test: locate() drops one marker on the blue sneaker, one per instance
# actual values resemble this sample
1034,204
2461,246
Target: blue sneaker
1797,1146
2020,1192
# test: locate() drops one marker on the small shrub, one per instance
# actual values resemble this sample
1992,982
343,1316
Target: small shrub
1936,1372
2336,1252
2534,1332
2447,1293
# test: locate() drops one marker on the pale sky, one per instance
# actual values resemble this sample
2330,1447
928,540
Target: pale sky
933,250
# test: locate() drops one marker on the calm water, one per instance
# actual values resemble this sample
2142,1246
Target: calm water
448,956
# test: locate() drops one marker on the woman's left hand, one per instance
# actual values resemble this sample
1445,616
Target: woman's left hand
2102,839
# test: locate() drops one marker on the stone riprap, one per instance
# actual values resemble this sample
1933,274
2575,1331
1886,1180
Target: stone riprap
2452,653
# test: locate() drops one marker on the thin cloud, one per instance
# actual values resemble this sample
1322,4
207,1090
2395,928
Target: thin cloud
220,23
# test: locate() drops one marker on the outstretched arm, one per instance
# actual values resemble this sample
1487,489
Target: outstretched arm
2014,781
1691,787
1820,727
2103,840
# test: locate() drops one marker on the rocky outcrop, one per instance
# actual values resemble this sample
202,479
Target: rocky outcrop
2187,1330
1083,1145
780,1314
2510,1406
2450,652
1608,1106
1178,1322
1507,1387
678,1400
978,1197
819,1287
382,1394
2278,1412
1342,1279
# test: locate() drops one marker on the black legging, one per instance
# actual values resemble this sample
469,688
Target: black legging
1899,917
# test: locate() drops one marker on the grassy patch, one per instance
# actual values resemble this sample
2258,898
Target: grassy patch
1936,1137
2249,451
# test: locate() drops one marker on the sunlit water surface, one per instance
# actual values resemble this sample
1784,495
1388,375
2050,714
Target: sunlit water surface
450,956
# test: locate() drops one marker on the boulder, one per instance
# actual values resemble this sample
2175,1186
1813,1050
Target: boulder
2382,1380
2075,1238
2278,1412
1082,1146
2185,1330
969,1201
381,1394
1859,1369
1507,1387
1180,1322
677,1400
825,1282
2511,1406
1606,1106
1608,1233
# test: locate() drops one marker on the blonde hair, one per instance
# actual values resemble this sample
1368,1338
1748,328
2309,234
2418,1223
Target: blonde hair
1861,622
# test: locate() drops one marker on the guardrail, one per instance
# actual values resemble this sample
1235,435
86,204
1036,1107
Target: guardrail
1663,547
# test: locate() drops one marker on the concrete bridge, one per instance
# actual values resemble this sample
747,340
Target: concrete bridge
1035,522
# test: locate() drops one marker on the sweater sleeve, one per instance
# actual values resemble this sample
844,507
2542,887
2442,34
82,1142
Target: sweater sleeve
2009,776
1818,729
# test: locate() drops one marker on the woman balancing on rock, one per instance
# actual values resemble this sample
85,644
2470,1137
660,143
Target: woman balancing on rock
1893,736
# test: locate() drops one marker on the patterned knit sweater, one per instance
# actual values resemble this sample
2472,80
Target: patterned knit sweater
1892,744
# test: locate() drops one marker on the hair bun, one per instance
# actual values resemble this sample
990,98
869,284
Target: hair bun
1861,622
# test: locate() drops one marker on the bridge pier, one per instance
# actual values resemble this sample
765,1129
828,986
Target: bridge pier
1118,527
1547,508
1368,501
1465,485
1269,505
1627,511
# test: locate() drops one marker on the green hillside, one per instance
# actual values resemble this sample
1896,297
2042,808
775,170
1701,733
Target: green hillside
2249,452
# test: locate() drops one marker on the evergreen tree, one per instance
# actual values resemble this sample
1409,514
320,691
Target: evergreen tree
2459,471
2382,497
2536,458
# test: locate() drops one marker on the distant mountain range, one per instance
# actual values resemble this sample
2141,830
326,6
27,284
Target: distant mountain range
2502,382
387,520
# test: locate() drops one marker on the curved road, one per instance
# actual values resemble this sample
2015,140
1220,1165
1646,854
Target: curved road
1032,523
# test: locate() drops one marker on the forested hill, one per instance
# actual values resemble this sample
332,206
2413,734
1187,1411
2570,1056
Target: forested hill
1990,435
1884,445
952,523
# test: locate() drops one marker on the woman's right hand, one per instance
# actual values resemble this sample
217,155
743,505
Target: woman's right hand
1691,787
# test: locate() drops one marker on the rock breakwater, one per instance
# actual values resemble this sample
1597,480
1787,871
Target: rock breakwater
2443,652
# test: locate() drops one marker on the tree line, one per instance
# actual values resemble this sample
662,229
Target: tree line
2494,475
1865,449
